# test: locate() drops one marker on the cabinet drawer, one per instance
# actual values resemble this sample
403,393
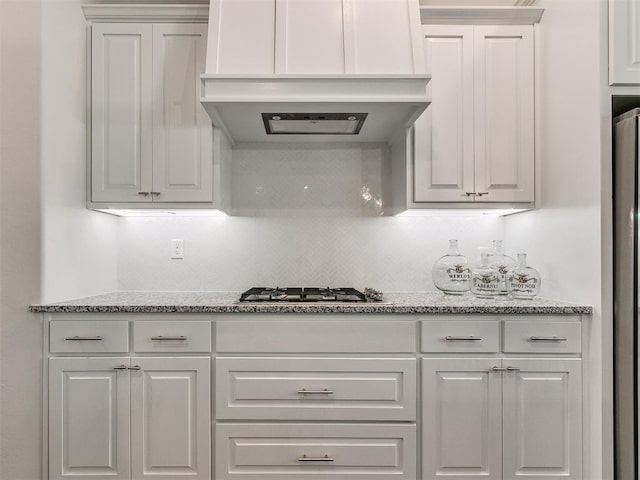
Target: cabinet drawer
322,336
315,451
542,337
461,336
172,336
88,337
316,389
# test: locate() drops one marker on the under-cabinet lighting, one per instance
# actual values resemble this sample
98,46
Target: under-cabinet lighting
131,212
493,212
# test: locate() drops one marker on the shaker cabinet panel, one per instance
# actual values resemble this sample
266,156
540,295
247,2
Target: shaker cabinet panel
624,42
183,137
462,417
243,36
309,37
151,139
443,170
88,418
303,388
475,143
503,105
170,418
543,419
379,38
121,97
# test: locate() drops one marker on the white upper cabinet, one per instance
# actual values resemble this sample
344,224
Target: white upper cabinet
476,141
443,170
182,146
121,112
151,140
307,37
624,42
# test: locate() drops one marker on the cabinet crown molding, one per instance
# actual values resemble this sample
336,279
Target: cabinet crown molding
480,15
146,13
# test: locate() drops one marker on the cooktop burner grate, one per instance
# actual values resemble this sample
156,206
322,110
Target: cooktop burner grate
306,294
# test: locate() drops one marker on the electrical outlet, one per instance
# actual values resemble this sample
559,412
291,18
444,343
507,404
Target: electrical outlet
177,248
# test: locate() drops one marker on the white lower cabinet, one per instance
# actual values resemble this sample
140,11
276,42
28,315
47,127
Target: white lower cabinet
502,418
129,417
88,418
315,451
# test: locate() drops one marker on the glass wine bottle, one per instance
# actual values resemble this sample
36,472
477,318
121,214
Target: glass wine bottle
523,282
485,281
501,263
451,273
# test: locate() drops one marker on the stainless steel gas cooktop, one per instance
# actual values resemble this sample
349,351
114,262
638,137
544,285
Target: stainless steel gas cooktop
303,294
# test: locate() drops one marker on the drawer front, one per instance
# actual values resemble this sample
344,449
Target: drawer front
172,336
88,336
542,337
455,336
315,451
316,389
304,336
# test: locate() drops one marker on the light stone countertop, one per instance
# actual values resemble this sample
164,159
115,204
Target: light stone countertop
227,302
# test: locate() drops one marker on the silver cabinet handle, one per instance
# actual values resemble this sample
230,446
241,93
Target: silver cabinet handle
161,337
84,339
120,367
513,369
547,339
324,391
470,338
143,193
498,369
155,193
305,458
134,367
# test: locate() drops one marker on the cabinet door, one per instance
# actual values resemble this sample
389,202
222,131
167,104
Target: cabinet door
443,149
542,419
624,42
182,131
462,418
121,112
504,120
170,418
88,418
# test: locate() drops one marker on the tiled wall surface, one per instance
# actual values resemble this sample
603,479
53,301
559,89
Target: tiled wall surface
305,216
235,253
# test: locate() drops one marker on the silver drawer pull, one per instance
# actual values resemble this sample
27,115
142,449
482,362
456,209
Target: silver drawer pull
84,339
135,367
324,391
498,369
470,338
513,369
160,337
120,367
548,339
305,458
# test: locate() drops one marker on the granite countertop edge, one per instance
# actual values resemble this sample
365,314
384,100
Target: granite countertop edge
213,302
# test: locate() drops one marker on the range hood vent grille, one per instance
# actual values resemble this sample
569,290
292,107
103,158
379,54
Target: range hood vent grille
313,123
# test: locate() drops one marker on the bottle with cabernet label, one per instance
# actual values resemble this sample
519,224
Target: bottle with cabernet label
485,281
523,282
501,263
451,273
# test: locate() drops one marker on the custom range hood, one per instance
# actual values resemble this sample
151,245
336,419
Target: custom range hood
314,70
